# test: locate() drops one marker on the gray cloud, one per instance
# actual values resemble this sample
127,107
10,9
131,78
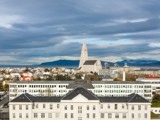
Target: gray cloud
44,29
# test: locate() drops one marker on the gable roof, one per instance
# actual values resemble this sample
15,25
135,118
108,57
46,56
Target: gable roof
80,90
136,98
29,98
23,98
89,62
132,98
113,99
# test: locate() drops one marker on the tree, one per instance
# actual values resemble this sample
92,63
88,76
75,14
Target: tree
6,87
78,76
156,98
46,70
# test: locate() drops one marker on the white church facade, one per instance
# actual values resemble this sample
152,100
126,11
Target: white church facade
87,65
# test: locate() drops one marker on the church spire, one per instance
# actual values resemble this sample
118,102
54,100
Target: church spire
84,55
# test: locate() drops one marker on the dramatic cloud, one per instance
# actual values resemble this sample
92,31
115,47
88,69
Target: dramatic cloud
32,32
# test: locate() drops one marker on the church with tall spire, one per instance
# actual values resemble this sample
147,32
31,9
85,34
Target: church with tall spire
87,65
84,55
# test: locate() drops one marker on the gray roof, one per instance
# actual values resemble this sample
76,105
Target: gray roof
29,98
80,90
133,98
89,62
79,83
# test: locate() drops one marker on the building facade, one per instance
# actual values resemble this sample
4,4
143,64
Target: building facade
155,82
99,88
79,104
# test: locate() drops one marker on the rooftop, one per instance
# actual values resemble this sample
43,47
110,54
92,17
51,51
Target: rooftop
89,62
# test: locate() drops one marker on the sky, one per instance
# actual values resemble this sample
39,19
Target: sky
36,31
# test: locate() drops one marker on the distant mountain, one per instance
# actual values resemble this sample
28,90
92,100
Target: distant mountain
61,63
75,63
151,63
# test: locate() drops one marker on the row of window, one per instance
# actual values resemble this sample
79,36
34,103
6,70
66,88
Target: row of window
34,106
119,91
118,86
71,115
39,86
71,107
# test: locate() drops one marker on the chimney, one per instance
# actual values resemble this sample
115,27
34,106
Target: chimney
124,75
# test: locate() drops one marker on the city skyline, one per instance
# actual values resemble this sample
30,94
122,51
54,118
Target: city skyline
39,31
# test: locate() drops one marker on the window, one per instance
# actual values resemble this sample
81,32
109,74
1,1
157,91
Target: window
20,107
71,115
14,115
79,118
35,115
94,107
109,115
44,106
115,106
51,106
14,107
57,115
26,107
79,109
124,115
57,105
145,115
65,115
20,115
42,115
65,107
49,115
108,106
87,107
102,115
94,115
122,106
36,105
139,107
87,115
71,107
132,115
27,115
116,115
132,107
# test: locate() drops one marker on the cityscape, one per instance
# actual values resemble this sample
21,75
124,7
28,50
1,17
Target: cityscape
79,60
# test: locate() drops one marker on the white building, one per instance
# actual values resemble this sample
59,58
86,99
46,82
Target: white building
122,88
79,104
155,82
99,88
38,88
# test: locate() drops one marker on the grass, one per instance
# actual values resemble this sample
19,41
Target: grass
154,116
155,104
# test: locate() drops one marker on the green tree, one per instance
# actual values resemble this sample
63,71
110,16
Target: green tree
6,87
